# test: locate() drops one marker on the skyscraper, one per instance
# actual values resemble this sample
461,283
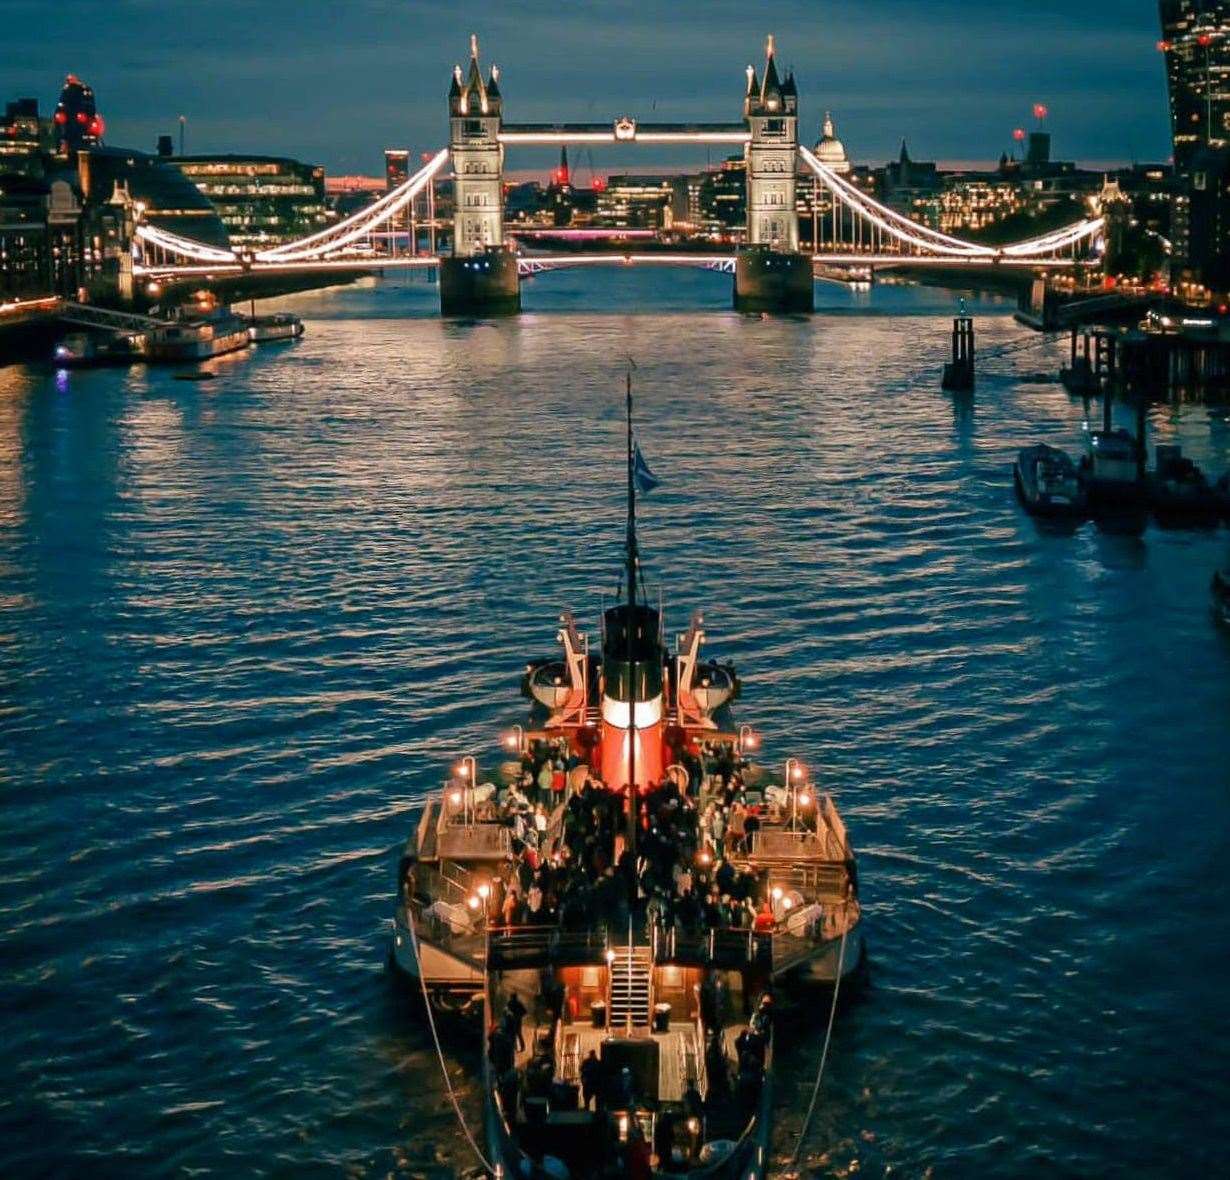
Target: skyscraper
1196,42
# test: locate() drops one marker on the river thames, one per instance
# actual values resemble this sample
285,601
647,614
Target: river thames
246,624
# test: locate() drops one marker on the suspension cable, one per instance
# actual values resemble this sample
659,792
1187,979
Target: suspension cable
824,1056
431,1022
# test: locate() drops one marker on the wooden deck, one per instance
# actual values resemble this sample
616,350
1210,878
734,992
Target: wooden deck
678,1055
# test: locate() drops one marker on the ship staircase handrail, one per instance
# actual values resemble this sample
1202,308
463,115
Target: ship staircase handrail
734,1163
89,316
730,946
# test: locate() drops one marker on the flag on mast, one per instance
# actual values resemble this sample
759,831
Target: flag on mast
646,481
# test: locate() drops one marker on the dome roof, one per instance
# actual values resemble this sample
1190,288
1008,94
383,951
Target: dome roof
830,150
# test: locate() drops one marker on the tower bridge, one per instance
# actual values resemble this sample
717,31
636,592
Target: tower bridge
482,273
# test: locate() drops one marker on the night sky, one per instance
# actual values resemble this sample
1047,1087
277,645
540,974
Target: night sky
336,82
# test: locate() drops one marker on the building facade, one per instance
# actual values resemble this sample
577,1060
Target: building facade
1196,45
261,200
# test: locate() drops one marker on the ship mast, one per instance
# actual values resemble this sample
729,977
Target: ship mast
628,635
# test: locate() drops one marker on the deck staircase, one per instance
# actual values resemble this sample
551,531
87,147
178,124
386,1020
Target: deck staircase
631,985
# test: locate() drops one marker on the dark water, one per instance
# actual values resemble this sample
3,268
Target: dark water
245,624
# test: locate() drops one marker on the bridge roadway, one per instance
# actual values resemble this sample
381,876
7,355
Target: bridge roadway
536,264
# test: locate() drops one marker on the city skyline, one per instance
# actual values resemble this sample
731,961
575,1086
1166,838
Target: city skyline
884,66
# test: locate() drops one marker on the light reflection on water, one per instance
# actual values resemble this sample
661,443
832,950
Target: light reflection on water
244,624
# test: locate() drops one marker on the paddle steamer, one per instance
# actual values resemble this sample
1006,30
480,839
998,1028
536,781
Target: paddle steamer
619,898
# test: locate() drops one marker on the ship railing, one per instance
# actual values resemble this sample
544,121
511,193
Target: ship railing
729,948
530,946
798,940
830,881
449,927
773,843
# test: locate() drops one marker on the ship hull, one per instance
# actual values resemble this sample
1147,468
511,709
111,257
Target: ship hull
823,966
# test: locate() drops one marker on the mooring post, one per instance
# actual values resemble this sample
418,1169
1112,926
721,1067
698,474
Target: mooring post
959,372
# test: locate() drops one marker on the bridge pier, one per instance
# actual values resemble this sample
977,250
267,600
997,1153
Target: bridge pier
773,280
480,284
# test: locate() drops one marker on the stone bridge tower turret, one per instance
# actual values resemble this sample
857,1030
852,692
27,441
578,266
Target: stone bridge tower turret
481,276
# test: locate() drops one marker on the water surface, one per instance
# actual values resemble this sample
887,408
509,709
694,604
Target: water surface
245,624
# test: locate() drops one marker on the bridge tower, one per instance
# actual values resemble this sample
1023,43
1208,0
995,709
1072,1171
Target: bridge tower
771,274
481,276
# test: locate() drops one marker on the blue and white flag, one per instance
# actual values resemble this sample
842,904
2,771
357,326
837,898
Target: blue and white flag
646,481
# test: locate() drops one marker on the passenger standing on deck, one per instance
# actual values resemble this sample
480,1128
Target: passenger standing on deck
591,1079
516,1011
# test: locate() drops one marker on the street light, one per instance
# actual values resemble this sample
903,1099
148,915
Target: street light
467,771
795,772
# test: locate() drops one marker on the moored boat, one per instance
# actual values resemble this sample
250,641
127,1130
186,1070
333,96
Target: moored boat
619,897
1180,490
1047,482
1110,470
268,329
195,336
86,350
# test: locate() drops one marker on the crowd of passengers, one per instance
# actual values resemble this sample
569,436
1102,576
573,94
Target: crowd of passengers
572,866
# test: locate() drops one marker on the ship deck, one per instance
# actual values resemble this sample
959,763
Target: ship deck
679,1054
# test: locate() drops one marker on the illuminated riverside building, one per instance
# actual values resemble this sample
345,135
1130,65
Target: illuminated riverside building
24,138
637,202
974,203
1196,43
261,200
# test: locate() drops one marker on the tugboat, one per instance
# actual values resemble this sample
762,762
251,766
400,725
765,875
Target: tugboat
1047,483
619,899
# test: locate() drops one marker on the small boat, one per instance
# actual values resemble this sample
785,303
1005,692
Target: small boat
199,375
267,329
195,336
84,350
1179,489
1221,595
1110,470
1047,482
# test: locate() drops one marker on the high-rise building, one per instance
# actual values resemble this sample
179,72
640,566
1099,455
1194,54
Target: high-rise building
1196,42
77,121
396,167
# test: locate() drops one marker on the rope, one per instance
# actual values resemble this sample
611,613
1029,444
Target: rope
824,1056
431,1022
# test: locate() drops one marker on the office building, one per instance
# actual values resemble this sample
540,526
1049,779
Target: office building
261,200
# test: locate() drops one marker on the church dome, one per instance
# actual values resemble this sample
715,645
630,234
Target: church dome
830,150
